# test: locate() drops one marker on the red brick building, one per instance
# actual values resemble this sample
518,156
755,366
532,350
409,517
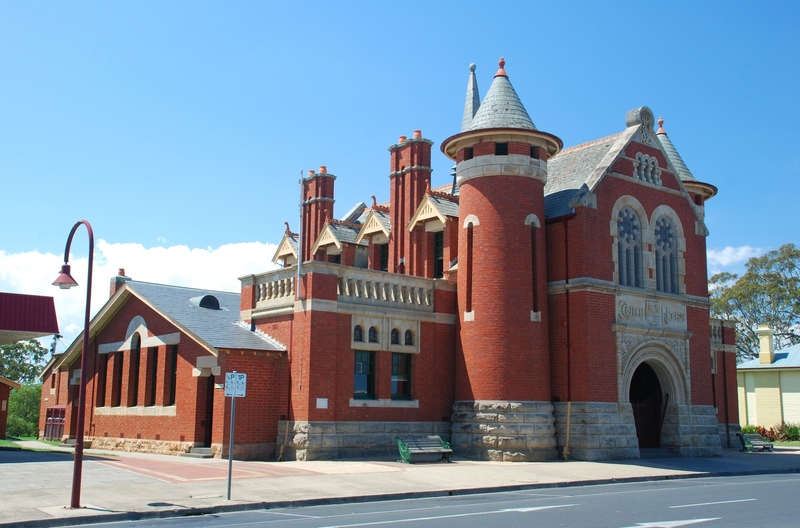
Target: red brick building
547,291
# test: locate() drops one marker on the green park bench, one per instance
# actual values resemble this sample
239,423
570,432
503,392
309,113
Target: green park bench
430,447
751,441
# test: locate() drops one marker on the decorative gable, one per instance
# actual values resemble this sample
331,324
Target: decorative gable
374,228
327,238
433,212
287,250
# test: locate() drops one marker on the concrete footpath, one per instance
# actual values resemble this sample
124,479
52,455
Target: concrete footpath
35,486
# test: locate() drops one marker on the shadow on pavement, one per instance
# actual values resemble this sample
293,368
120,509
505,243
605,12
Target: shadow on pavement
21,456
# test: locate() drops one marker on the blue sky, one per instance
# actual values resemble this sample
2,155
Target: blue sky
179,129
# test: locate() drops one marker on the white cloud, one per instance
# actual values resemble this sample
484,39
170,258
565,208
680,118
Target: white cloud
731,256
213,269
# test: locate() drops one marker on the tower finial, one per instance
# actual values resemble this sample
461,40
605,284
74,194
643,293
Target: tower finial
661,126
501,72
473,101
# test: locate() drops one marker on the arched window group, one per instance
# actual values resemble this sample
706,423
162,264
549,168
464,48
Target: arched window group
661,238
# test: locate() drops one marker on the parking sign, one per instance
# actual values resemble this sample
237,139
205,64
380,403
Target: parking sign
235,384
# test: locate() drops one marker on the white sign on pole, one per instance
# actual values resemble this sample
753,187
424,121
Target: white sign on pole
235,384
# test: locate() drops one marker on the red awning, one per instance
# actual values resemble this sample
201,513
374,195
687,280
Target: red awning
26,317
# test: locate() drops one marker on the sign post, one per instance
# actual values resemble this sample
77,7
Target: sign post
235,387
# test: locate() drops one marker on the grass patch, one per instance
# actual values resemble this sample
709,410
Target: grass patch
787,444
8,444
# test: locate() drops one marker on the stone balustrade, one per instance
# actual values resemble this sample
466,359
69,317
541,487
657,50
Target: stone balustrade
377,288
716,331
275,289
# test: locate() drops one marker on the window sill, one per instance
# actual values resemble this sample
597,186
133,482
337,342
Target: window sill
397,404
153,410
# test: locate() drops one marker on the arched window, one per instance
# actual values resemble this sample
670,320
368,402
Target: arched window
409,338
666,256
395,336
358,334
373,334
629,248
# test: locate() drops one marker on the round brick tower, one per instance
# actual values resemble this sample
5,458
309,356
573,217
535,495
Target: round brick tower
502,409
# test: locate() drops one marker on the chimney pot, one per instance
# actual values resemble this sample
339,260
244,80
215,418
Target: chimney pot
418,134
311,172
121,272
402,139
323,169
766,355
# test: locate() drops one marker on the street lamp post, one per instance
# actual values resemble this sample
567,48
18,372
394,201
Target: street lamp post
65,281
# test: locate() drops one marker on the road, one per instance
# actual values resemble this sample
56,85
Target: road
760,500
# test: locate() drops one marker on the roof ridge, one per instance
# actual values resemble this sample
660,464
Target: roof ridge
134,282
441,194
334,221
589,143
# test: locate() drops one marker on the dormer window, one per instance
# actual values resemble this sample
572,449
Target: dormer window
501,149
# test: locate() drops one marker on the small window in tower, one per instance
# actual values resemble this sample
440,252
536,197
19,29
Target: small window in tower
535,152
501,149
384,256
468,153
395,336
373,334
409,338
358,334
438,255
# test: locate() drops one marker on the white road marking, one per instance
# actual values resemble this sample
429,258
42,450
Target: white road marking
454,516
711,503
672,524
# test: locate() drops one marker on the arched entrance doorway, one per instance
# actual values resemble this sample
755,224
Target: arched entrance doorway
647,401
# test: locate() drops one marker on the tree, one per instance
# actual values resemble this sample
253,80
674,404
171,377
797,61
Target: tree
767,294
22,361
23,411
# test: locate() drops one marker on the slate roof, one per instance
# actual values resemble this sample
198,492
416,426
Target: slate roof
672,153
473,101
788,357
569,170
445,206
501,108
218,328
346,233
384,218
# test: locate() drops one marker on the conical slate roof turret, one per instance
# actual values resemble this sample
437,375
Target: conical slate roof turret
680,167
689,181
473,101
501,108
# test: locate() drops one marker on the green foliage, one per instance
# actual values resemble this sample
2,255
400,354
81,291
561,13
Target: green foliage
749,429
23,411
768,293
22,361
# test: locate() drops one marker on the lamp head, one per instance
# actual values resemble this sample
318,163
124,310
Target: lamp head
65,280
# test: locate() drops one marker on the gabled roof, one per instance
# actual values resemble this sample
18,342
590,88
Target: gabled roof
26,317
336,233
587,164
377,221
11,383
287,247
788,357
211,328
434,205
574,167
501,108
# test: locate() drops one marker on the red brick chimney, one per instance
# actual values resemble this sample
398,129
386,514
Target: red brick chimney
118,281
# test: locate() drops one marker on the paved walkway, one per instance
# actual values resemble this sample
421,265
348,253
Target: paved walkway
35,486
